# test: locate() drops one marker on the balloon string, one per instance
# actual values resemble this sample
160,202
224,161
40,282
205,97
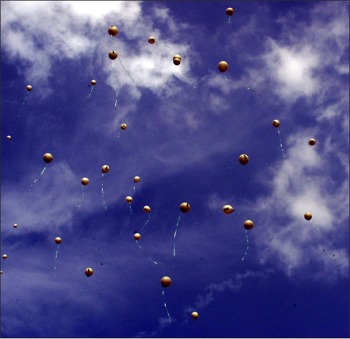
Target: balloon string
224,76
117,91
82,195
87,99
154,262
125,70
229,19
58,246
246,250
38,177
166,309
24,100
176,227
149,217
281,142
103,194
130,209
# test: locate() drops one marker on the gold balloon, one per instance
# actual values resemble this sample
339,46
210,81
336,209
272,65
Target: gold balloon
312,142
248,224
8,137
113,55
165,281
194,315
147,209
47,157
275,123
185,207
229,11
29,88
228,209
113,31
151,40
123,126
93,82
89,272
243,159
308,216
58,240
128,199
177,59
15,225
85,181
137,236
137,179
4,256
105,169
223,66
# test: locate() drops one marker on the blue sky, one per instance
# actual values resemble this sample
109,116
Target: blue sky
187,126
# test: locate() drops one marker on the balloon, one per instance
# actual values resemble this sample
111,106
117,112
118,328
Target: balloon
58,240
93,82
113,55
248,224
137,179
15,225
223,66
123,126
275,123
47,157
128,199
151,40
105,169
4,256
228,209
0,272
147,209
8,137
137,236
185,207
229,11
165,281
113,31
312,142
89,272
85,181
177,59
308,215
243,159
194,315
29,88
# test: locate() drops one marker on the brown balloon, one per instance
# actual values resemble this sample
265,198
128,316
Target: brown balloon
137,179
228,209
243,159
123,126
89,272
4,256
223,66
165,281
177,59
113,55
128,199
58,240
105,169
8,137
194,315
275,123
151,40
147,209
47,157
15,225
229,11
93,82
137,236
29,88
113,31
85,181
308,216
248,224
312,142
185,207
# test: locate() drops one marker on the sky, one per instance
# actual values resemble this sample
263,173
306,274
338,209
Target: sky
187,125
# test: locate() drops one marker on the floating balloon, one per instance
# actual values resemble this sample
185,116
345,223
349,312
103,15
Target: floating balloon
185,207
243,159
308,216
29,88
165,281
223,66
0,272
47,157
248,224
151,40
113,31
147,209
93,82
105,169
58,240
228,209
312,142
123,126
136,179
176,59
113,55
137,236
89,272
275,123
4,256
128,199
229,11
8,137
15,225
85,181
194,315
